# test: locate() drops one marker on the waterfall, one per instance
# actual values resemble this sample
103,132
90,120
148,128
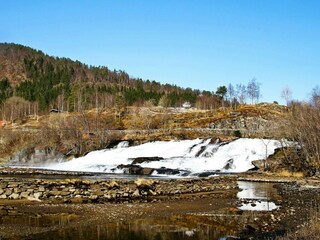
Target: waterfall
188,156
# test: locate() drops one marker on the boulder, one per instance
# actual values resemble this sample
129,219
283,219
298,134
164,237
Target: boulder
8,192
145,184
14,196
24,195
37,195
135,169
3,196
140,160
169,171
259,164
55,193
229,164
136,193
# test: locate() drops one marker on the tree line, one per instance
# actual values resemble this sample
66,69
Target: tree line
36,83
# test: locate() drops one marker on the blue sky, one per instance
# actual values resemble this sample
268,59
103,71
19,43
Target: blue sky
201,44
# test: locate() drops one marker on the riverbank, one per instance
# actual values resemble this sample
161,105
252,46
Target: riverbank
79,190
183,204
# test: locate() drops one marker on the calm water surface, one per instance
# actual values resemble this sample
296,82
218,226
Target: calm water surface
202,225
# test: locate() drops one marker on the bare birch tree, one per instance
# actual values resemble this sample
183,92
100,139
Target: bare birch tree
286,94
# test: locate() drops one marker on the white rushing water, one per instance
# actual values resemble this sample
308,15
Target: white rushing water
192,156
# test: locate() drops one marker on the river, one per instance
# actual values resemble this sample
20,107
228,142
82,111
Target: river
202,218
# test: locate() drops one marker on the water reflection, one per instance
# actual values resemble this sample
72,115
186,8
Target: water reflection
188,227
207,223
257,196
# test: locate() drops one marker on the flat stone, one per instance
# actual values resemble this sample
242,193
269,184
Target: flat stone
95,187
55,193
3,196
37,195
24,194
14,196
64,193
98,193
8,192
17,190
12,185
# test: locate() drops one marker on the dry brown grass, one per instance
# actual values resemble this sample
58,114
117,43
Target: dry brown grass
286,173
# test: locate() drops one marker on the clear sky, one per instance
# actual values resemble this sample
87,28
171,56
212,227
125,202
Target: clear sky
200,44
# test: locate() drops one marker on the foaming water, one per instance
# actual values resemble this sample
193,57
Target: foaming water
186,157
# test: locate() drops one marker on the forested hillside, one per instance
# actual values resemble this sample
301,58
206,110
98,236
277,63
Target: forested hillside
32,82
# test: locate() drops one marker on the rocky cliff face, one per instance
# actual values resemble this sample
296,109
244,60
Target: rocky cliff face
247,126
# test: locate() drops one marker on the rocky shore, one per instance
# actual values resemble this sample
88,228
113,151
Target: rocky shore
75,190
33,208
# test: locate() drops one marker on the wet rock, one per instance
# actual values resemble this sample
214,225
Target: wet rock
207,174
135,169
168,171
229,164
140,160
147,171
258,164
